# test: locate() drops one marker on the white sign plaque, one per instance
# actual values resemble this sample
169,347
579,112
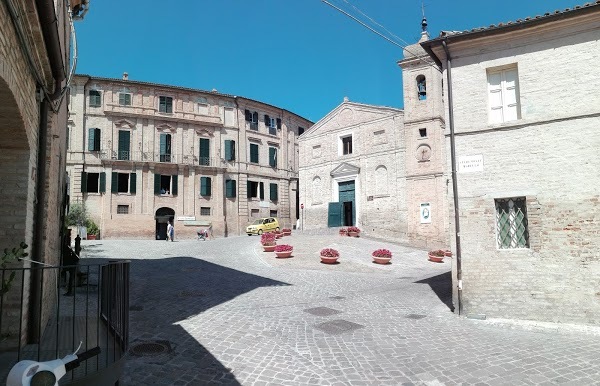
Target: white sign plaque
470,163
425,213
186,218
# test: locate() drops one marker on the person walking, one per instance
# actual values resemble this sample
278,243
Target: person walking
170,232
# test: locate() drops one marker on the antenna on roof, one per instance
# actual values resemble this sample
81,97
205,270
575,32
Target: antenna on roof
424,21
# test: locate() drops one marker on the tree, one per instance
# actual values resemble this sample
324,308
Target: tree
77,216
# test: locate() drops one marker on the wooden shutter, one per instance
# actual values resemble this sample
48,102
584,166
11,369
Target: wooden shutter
169,104
229,150
204,154
278,123
273,192
267,121
334,214
205,186
124,142
114,183
132,183
83,182
174,185
156,183
162,105
249,189
253,153
230,188
91,139
163,144
248,115
262,191
232,150
102,182
97,139
272,156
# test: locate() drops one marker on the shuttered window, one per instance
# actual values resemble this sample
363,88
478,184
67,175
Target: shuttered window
165,147
205,186
229,150
230,188
503,94
124,99
124,143
132,183
273,157
95,98
204,153
262,190
165,104
254,153
93,139
273,192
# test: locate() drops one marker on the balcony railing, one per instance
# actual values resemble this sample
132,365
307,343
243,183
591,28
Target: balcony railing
158,157
38,323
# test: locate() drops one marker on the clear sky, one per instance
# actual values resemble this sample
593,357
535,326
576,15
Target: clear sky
301,55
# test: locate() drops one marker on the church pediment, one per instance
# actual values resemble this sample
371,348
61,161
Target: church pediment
165,127
345,169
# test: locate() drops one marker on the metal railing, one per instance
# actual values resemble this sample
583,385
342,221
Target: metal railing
158,157
38,322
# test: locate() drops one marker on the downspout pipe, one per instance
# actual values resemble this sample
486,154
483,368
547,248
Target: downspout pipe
49,24
454,182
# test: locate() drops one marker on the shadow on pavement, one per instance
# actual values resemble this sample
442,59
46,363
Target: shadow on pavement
166,292
442,286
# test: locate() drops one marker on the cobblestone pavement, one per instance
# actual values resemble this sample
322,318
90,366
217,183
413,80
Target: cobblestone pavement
227,313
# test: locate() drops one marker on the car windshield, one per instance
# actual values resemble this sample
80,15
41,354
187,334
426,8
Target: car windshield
257,222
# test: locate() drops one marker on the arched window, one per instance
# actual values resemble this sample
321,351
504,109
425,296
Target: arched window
421,88
316,190
381,179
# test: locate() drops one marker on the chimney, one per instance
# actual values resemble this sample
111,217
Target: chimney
125,76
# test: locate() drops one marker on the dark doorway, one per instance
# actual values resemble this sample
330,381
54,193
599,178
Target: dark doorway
348,214
162,217
347,198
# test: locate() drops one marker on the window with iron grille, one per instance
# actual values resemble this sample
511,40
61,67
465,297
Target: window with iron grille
205,211
122,209
511,223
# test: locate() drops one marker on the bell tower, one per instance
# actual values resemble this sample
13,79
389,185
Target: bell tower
424,125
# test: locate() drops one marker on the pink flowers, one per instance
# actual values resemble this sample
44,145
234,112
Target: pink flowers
329,252
267,239
353,229
284,248
382,253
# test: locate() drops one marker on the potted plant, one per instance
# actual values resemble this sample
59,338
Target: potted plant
283,250
268,241
353,231
448,253
92,230
437,256
382,256
329,256
278,234
286,231
343,232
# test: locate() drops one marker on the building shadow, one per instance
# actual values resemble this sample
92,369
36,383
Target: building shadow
165,295
442,287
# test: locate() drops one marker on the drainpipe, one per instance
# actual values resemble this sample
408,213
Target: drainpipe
454,182
49,24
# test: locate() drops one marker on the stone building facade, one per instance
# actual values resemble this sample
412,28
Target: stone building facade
526,115
379,168
34,57
143,154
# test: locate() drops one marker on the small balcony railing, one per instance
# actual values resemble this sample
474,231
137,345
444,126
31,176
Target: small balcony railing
158,157
38,323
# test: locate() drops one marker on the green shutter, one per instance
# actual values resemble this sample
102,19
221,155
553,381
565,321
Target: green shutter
262,191
156,183
97,140
132,183
124,142
205,186
114,183
230,188
163,144
253,153
174,185
272,157
334,216
83,182
229,155
204,155
91,139
278,123
102,182
273,192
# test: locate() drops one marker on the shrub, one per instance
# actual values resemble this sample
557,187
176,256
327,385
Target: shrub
92,227
382,253
9,256
283,248
267,238
329,252
77,215
353,229
438,253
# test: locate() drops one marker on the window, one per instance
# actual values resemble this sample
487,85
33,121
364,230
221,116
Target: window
204,211
254,153
124,99
503,93
123,182
124,143
346,145
165,184
273,124
165,147
423,133
254,213
421,88
95,98
93,182
204,152
273,157
252,189
93,139
300,130
229,150
272,213
511,223
230,188
122,209
273,193
252,118
165,104
205,186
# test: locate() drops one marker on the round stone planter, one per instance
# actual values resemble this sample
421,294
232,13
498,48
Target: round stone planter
91,237
436,259
448,253
353,234
278,235
329,260
381,260
283,255
269,248
287,233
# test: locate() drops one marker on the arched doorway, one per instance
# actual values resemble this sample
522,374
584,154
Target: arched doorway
162,217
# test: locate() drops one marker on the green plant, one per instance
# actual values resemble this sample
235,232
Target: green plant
92,227
9,256
77,216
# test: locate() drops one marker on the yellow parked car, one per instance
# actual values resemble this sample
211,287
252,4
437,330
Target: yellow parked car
261,225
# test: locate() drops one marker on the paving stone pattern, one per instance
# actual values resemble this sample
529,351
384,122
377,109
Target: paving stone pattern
234,315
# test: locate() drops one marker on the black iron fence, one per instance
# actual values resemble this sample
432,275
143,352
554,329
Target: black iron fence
50,311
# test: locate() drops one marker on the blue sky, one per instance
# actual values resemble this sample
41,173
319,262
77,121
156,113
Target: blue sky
301,55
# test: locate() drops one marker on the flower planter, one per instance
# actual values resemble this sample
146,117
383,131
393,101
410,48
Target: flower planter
278,235
448,253
283,255
269,248
287,233
381,260
353,234
436,259
91,237
329,260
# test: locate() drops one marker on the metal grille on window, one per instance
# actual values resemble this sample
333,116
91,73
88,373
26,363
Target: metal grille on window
122,209
511,223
